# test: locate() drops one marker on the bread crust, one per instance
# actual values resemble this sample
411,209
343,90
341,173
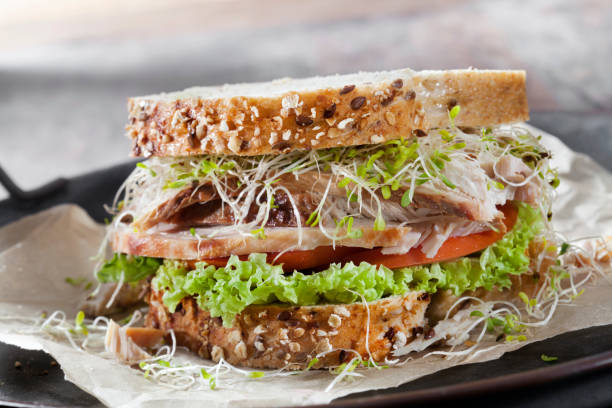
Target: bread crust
276,336
328,113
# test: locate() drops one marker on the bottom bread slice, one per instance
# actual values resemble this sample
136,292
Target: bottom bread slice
277,336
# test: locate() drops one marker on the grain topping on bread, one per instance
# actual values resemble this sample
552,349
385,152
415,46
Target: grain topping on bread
276,336
313,113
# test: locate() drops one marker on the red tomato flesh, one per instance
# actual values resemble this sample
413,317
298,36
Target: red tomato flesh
452,248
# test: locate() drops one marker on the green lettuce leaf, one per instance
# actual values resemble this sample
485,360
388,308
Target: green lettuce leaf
134,268
226,291
493,266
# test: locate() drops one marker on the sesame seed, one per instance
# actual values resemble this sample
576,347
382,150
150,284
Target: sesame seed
239,118
342,311
277,123
290,101
273,137
234,143
375,139
345,122
334,320
282,334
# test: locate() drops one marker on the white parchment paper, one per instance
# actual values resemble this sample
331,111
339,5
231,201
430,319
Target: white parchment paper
38,252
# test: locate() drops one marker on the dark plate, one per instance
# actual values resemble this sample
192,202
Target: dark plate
581,377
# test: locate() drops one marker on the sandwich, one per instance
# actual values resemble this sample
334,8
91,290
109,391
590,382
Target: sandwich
306,223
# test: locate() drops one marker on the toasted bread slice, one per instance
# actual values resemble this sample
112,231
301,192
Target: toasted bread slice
321,112
275,336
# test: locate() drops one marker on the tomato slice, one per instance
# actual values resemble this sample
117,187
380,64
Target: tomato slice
452,248
299,260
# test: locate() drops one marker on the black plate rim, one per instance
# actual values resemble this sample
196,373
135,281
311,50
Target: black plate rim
534,377
529,378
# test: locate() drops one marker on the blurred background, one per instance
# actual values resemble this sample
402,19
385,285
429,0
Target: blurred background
68,66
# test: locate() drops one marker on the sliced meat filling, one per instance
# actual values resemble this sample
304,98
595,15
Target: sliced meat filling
213,212
394,239
296,197
201,206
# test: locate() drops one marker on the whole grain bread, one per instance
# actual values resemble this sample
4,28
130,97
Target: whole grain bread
275,336
321,112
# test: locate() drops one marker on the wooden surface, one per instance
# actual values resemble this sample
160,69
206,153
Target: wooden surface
67,66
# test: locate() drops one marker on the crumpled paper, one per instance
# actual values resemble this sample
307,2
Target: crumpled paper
38,252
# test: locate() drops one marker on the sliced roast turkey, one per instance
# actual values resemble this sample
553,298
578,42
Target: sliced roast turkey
201,205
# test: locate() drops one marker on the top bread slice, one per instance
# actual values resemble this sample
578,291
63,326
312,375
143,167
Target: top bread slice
321,112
